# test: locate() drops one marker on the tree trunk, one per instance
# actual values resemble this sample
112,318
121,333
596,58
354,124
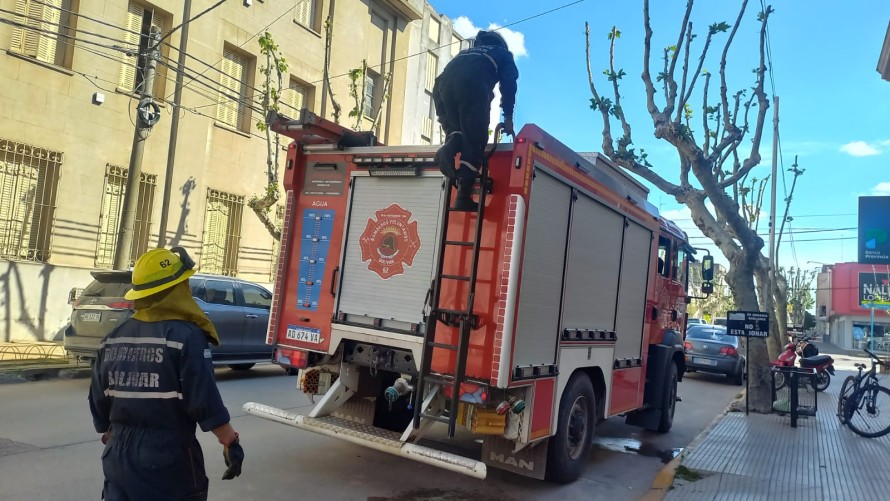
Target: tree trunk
741,280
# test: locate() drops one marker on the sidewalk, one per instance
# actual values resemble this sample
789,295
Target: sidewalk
21,361
761,457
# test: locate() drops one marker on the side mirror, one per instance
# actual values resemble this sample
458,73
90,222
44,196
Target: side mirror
73,294
707,269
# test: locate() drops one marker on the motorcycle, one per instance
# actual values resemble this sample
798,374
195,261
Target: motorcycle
805,348
821,365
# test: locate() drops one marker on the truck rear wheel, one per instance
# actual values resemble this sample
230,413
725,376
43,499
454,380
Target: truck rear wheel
567,451
670,401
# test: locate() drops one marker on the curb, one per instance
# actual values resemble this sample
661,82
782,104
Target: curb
664,479
22,374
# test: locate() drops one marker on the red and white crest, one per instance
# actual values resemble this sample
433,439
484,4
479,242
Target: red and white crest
390,242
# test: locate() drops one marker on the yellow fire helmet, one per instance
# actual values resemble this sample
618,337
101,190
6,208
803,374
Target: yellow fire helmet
158,270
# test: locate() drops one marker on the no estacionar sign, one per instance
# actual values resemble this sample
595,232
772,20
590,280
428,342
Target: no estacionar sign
747,324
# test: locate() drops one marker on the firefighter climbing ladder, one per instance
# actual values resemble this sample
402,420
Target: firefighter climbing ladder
465,320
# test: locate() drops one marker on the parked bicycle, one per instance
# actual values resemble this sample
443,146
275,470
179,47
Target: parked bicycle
863,404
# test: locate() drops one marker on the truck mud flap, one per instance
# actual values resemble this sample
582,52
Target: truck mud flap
370,437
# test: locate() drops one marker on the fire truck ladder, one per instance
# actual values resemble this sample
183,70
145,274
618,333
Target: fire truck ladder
465,320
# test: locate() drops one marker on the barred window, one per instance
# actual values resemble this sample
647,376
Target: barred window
49,23
112,210
432,70
305,12
222,233
129,80
29,179
427,132
233,91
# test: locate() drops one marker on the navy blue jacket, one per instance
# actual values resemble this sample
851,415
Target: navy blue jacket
491,64
156,375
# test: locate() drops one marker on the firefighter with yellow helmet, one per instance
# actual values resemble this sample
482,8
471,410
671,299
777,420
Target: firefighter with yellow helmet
153,383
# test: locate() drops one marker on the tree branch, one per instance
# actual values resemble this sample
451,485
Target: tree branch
689,38
762,103
705,113
727,124
669,75
797,173
646,76
614,77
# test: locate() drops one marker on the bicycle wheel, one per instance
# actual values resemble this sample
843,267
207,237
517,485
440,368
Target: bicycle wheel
868,411
846,391
780,381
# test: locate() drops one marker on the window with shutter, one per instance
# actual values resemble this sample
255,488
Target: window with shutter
432,70
43,20
370,85
304,13
112,212
232,92
455,45
294,99
434,28
29,177
135,12
222,233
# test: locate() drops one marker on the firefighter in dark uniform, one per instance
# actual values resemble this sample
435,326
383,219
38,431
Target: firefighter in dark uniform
152,383
462,95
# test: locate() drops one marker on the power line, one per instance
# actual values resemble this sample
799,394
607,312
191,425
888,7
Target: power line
194,18
77,14
514,23
249,39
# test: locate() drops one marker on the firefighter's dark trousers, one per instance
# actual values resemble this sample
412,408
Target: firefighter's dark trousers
152,464
463,104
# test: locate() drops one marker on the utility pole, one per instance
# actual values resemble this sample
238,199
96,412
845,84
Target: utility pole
174,124
768,296
147,115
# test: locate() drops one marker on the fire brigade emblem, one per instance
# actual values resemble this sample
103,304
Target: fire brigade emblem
390,241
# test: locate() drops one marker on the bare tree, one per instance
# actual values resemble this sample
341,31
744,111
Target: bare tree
714,160
274,66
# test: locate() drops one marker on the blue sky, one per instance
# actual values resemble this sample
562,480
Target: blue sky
834,107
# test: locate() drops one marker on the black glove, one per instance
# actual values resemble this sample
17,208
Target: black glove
234,456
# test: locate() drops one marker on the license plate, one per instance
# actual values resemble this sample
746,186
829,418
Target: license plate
91,316
704,361
303,334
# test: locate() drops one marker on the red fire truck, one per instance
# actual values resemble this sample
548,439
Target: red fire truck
561,302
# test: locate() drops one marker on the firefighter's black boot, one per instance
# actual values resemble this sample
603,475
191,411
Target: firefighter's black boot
445,156
463,202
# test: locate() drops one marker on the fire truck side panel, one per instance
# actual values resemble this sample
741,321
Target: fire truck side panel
632,292
540,291
410,207
595,360
591,291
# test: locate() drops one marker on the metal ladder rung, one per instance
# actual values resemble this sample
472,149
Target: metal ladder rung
438,419
444,346
457,277
450,312
459,242
442,379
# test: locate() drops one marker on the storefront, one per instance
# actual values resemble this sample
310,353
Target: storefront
854,311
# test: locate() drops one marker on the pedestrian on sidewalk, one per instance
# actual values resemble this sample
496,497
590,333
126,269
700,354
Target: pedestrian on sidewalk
152,384
462,95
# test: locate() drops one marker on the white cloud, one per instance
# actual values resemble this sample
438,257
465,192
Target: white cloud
515,39
881,189
860,149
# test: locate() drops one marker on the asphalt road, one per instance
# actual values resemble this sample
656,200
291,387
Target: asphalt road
48,450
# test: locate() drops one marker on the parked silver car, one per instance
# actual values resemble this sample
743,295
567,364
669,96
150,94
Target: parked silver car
709,349
238,309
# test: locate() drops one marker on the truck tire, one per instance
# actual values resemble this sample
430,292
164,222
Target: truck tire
567,451
670,400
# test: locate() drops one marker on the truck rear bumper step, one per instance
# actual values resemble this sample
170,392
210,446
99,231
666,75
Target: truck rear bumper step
371,437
